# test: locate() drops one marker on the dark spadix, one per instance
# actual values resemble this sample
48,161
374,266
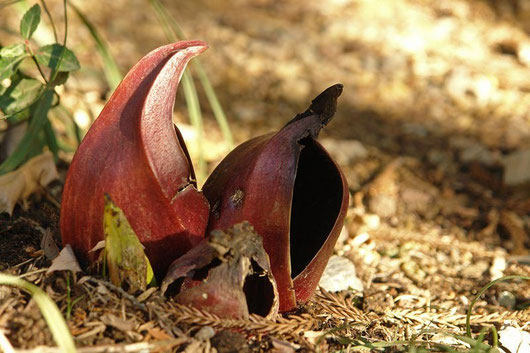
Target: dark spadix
292,192
134,153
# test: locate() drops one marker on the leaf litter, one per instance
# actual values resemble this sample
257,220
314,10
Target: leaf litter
397,303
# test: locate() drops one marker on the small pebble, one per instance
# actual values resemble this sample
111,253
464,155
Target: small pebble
497,268
205,333
360,239
340,275
464,300
372,221
507,299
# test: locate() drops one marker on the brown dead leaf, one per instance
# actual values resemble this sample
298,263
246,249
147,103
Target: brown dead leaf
29,178
119,323
158,334
47,243
66,261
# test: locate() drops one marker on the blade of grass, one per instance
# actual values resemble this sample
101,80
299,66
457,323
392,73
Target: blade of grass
8,30
495,337
484,289
190,94
444,348
194,111
358,343
7,3
479,341
70,303
476,344
55,70
110,68
363,343
50,18
51,140
50,311
413,344
79,133
217,109
72,130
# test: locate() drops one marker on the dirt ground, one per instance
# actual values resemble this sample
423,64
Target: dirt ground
431,131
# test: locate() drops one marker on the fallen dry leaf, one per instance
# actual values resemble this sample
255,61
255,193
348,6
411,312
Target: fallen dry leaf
29,178
514,338
119,323
66,261
51,250
158,334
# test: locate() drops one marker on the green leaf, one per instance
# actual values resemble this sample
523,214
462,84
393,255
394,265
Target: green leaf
18,117
13,51
30,22
60,79
49,55
126,260
9,65
24,148
20,95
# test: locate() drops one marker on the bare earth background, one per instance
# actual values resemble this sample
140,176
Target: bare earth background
432,129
